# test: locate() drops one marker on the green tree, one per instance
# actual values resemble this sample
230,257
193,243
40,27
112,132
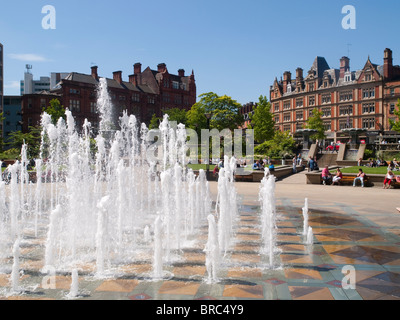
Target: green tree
223,109
178,115
315,122
154,122
196,118
281,145
55,110
396,124
262,121
31,138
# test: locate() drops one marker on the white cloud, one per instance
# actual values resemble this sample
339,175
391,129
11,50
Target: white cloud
28,57
12,85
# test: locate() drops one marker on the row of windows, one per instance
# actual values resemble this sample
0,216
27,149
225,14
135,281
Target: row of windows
326,98
367,123
175,85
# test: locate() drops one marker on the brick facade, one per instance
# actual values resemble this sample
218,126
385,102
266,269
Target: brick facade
145,93
347,99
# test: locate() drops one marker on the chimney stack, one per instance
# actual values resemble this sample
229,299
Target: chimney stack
299,74
137,68
161,67
117,76
181,72
287,78
388,64
133,79
344,66
94,73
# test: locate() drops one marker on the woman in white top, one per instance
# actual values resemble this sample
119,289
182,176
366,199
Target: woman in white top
388,179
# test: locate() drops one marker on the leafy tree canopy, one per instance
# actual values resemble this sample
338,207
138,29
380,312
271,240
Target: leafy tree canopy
262,121
55,110
396,124
223,109
315,122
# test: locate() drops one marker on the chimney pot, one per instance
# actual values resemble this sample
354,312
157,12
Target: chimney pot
117,75
94,72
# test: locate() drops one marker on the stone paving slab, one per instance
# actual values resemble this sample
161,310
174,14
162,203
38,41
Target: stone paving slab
352,227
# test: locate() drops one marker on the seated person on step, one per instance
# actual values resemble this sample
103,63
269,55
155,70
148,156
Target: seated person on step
326,176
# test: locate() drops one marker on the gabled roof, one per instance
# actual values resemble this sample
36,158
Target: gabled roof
111,83
319,66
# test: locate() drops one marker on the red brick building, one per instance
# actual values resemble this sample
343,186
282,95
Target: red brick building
145,93
348,99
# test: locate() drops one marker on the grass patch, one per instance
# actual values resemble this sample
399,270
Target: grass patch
367,170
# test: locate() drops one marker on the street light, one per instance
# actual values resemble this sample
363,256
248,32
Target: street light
208,116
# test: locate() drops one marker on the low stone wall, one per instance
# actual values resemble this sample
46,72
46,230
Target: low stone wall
257,176
374,180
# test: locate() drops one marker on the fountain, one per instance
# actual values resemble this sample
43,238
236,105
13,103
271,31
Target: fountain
268,216
305,217
90,202
103,202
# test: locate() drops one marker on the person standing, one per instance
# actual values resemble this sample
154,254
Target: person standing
310,164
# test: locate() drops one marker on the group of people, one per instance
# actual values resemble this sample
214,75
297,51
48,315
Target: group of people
328,178
262,164
392,165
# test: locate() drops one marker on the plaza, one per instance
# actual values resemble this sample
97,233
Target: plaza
356,227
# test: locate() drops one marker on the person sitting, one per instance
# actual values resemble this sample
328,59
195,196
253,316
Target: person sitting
360,177
359,162
256,165
396,165
326,176
388,179
336,179
271,167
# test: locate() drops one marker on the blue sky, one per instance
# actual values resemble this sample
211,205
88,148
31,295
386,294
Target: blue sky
235,47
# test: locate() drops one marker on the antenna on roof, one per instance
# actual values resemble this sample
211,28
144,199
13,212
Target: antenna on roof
348,50
28,68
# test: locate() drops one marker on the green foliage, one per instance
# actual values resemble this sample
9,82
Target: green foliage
178,115
224,113
282,145
396,124
10,154
32,139
154,122
369,154
55,110
315,122
262,121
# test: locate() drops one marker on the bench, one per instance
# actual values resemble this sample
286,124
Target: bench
348,180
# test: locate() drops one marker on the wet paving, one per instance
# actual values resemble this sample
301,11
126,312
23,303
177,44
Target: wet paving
343,239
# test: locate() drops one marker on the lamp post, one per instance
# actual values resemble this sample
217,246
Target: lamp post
208,116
